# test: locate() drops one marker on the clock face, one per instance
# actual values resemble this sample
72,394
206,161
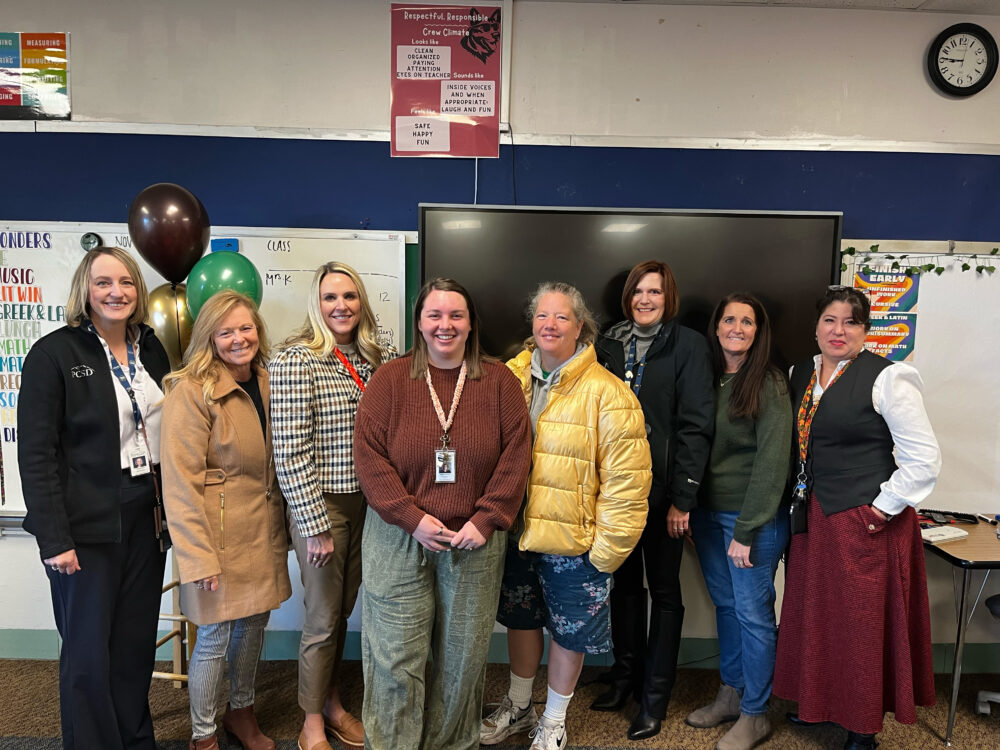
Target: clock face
962,60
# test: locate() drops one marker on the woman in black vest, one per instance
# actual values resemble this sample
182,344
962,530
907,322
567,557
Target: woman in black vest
669,369
855,640
88,450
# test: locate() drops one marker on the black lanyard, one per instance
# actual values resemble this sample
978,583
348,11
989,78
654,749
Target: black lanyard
633,375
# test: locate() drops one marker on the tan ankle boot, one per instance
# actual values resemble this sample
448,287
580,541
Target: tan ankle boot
725,707
242,724
745,733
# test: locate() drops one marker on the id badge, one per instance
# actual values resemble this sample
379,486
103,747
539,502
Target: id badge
444,465
138,463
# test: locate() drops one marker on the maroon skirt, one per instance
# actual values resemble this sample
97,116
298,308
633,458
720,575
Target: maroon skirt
854,640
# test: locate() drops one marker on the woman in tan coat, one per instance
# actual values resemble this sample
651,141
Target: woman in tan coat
226,515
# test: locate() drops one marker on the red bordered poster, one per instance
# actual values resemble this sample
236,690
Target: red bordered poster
445,97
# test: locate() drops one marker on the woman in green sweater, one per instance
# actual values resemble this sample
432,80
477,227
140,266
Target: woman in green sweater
738,530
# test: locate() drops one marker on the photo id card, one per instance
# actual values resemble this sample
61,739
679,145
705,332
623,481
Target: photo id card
138,463
444,465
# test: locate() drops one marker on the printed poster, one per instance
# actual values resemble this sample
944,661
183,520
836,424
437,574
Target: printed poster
893,336
893,297
34,76
445,92
888,291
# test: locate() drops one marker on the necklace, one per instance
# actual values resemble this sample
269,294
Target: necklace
726,379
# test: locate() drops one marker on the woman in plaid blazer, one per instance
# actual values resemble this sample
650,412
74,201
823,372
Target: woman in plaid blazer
316,382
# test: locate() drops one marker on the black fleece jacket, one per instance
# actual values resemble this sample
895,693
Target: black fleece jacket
68,438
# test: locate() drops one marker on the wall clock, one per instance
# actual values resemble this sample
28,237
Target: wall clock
962,59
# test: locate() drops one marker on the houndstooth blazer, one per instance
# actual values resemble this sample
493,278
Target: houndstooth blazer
313,402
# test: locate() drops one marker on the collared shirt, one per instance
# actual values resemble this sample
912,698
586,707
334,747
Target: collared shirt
149,398
897,396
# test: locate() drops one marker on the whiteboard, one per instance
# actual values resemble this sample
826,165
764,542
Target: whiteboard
957,355
37,260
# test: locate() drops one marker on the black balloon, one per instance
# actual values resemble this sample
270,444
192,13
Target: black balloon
169,228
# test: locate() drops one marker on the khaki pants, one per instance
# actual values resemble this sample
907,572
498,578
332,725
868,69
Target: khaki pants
418,605
329,594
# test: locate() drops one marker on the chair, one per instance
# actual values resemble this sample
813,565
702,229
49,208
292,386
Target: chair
985,697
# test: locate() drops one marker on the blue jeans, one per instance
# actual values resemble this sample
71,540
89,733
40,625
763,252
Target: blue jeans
744,601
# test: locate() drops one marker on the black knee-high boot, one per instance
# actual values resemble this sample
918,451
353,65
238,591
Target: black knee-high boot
661,669
628,631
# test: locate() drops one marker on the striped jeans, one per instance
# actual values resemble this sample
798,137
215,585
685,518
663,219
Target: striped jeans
241,640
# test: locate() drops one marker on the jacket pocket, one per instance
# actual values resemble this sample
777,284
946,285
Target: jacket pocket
215,481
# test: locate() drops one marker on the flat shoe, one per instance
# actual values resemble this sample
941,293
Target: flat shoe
348,730
794,719
321,745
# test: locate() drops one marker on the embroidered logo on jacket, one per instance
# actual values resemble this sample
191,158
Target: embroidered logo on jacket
81,371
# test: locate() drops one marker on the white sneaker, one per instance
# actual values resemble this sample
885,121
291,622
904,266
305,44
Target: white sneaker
505,721
549,735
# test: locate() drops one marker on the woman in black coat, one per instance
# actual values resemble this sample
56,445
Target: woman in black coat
669,369
88,446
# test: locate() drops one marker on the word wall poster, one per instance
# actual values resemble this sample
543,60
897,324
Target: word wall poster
34,76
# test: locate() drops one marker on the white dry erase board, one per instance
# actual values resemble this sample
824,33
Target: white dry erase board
957,354
37,260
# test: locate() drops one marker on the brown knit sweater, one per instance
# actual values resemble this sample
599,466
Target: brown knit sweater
396,432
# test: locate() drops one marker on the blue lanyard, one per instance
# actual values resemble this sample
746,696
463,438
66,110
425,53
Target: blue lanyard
116,370
633,375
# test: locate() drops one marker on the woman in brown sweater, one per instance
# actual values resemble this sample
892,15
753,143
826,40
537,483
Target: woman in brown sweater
442,446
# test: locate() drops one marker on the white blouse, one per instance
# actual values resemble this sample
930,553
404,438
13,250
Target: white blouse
149,398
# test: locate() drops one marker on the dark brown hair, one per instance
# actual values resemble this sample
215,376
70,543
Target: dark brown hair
670,296
474,356
861,308
749,382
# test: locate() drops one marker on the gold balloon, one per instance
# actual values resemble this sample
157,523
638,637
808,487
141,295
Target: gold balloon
170,318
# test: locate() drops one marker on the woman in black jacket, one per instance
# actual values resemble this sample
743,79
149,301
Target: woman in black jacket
668,367
88,446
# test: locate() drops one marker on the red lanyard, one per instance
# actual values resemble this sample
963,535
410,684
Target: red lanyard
807,410
350,368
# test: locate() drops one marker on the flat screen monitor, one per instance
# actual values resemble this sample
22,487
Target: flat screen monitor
501,253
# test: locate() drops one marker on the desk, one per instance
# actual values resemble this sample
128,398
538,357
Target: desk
978,551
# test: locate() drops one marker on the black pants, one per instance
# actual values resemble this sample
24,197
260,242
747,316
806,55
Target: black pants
107,615
662,555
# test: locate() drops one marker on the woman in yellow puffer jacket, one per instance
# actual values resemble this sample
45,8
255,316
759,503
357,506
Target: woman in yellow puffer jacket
585,511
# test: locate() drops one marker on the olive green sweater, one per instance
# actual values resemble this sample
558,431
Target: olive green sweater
750,459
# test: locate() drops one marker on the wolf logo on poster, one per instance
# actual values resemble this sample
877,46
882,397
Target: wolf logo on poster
484,34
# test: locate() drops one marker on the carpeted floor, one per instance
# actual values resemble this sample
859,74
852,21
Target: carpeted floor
29,713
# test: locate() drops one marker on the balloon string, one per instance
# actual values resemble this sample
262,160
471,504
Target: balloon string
177,325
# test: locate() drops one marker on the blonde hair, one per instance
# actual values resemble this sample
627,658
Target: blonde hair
78,305
588,331
201,361
316,335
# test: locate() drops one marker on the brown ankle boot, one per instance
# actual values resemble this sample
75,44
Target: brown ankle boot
242,725
208,743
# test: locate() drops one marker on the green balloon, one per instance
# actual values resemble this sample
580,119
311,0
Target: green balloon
222,270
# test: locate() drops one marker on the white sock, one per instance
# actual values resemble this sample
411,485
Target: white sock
520,690
556,705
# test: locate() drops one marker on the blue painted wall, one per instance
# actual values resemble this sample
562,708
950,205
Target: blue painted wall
353,184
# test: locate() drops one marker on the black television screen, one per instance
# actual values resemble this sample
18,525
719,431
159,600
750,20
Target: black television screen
501,253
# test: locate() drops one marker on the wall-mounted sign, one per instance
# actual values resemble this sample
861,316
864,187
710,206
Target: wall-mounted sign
889,291
445,94
34,76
